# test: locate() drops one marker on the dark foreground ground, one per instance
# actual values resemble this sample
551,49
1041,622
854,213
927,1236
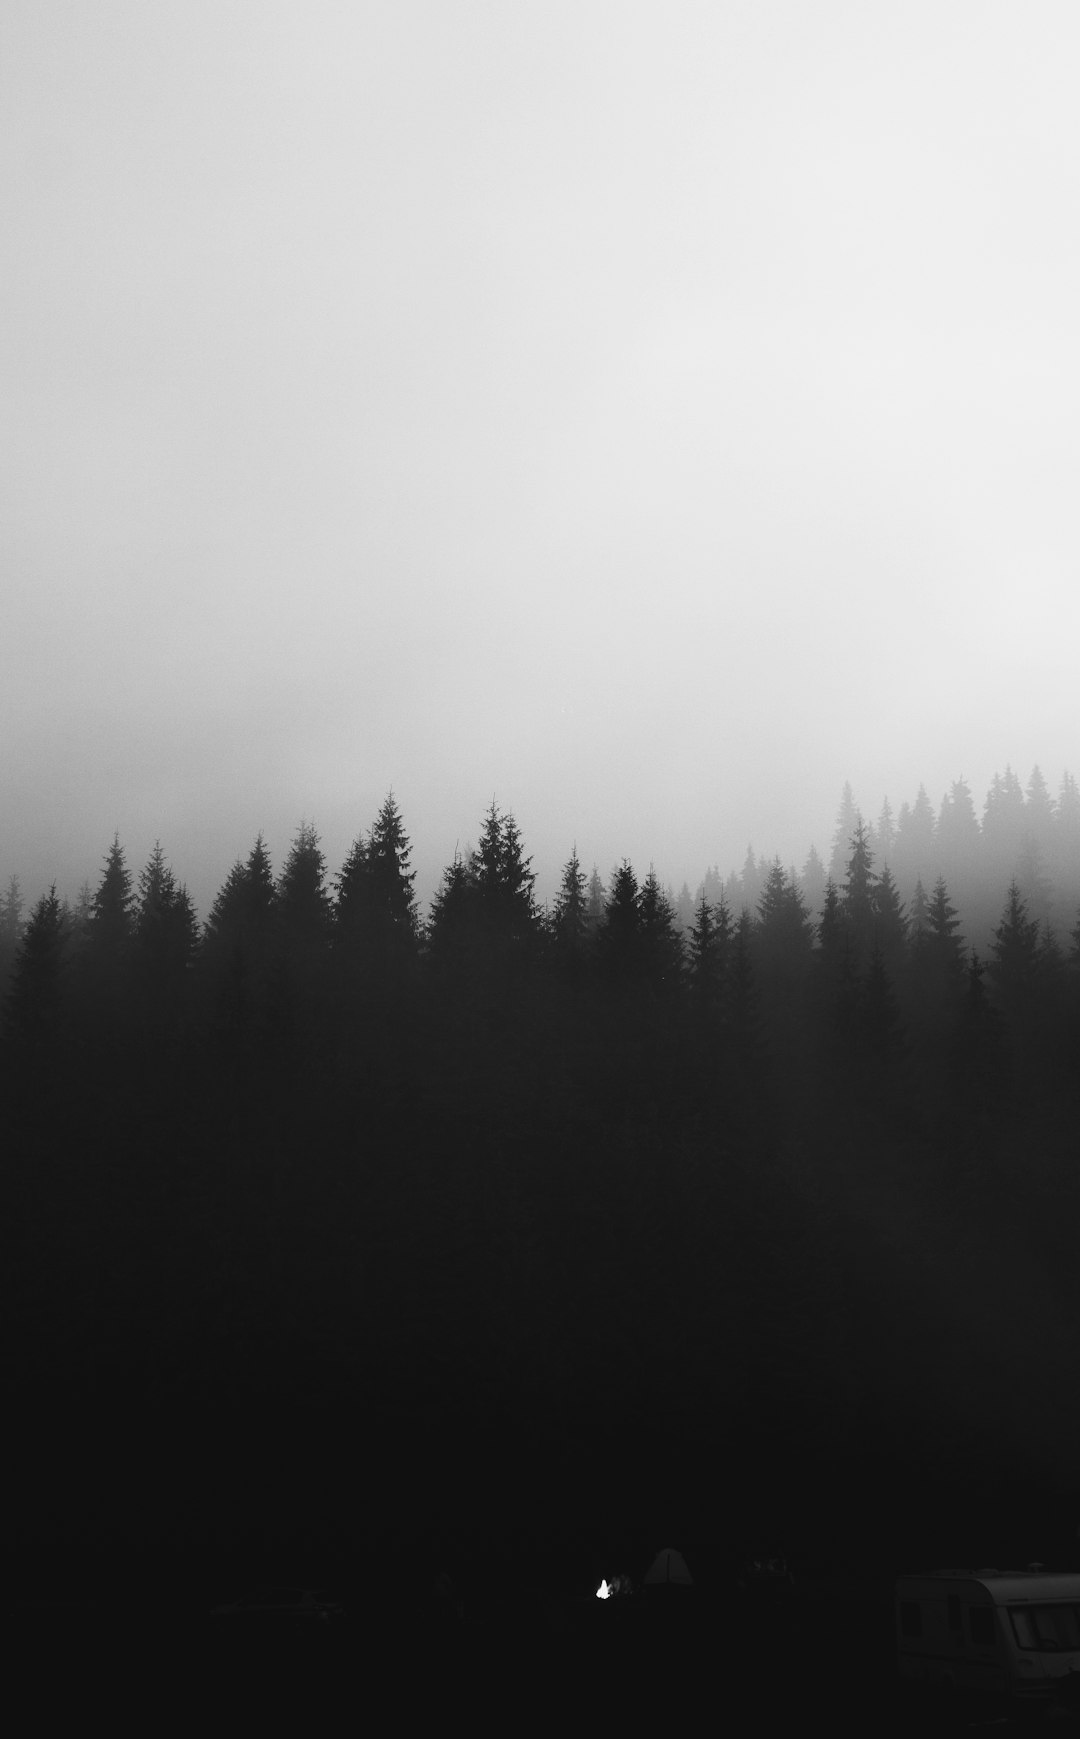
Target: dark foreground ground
510,1653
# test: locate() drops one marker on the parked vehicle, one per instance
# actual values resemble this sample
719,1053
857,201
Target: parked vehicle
1010,1637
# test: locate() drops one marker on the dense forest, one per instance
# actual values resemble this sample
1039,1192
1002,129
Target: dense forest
759,1205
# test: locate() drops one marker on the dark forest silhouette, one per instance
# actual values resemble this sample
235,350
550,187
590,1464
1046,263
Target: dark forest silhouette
320,1214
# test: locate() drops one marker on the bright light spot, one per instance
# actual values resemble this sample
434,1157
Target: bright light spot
603,1591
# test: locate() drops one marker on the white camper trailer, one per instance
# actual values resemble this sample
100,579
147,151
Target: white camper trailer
1009,1636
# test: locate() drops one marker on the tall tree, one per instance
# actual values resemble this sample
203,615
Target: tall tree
113,906
571,931
846,822
859,903
11,929
303,899
619,936
661,941
813,882
34,1004
595,908
388,860
166,931
708,952
1014,962
915,850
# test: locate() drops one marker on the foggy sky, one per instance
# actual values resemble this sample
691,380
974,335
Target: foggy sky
650,416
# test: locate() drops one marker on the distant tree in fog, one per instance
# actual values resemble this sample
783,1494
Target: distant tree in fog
958,837
915,849
112,917
1039,809
34,1003
858,898
11,930
846,823
919,916
684,910
750,882
812,882
885,833
1003,823
890,924
594,911
1031,877
1014,962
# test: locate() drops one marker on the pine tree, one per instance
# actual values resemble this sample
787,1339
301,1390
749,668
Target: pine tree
303,900
1014,966
880,1031
354,901
571,932
504,882
11,930
846,823
749,882
449,937
710,936
890,924
1031,878
595,909
813,882
661,942
978,1059
113,906
915,849
1039,811
684,910
886,833
619,936
1003,825
388,853
238,944
959,837
34,1003
859,904
920,913
166,929
943,943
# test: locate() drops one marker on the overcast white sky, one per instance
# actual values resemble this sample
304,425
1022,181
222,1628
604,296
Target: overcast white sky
649,415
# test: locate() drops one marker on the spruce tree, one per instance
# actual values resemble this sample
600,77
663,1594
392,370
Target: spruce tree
661,941
1014,963
571,933
112,914
846,823
11,930
859,898
388,853
34,1004
619,936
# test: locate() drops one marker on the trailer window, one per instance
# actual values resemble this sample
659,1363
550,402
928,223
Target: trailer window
981,1622
910,1618
1049,1629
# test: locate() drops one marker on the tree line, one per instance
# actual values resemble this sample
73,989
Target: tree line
780,1187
